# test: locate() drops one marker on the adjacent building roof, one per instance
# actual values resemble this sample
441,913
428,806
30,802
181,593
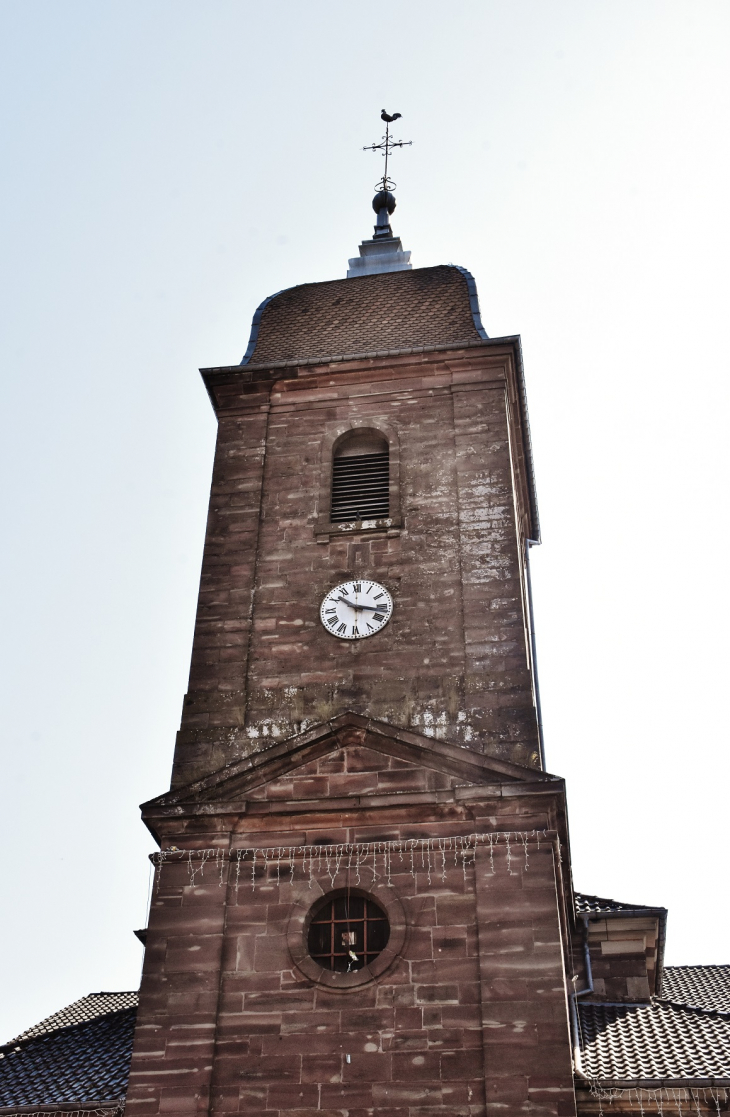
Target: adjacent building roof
373,313
705,987
79,1055
82,1054
598,905
86,1008
682,1035
653,1041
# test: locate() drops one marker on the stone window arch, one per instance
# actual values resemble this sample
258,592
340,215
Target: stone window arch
360,477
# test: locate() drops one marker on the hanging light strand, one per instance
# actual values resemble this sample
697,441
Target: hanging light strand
379,859
664,1097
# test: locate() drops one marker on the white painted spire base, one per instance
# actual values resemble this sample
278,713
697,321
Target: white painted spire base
381,254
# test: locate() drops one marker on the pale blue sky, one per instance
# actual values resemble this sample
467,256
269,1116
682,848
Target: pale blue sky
169,164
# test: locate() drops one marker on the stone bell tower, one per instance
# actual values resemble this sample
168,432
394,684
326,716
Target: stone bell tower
360,903
400,360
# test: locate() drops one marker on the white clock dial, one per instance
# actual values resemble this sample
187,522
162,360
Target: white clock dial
356,609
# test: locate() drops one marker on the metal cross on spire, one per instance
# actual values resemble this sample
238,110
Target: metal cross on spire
386,145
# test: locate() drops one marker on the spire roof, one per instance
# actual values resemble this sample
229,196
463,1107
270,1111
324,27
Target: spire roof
348,318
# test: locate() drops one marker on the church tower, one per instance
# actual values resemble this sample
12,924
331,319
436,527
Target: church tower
373,433
359,902
362,901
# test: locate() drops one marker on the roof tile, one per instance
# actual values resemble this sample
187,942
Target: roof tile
653,1041
86,1008
76,1063
390,311
705,987
597,905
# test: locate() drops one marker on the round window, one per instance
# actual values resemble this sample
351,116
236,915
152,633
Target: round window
347,932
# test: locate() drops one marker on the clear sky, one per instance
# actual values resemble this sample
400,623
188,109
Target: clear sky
167,165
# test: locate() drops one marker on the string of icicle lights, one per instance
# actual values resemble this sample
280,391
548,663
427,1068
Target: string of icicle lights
684,1100
376,859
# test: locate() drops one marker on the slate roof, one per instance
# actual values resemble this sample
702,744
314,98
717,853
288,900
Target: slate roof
372,313
705,987
86,1008
598,905
79,1055
653,1041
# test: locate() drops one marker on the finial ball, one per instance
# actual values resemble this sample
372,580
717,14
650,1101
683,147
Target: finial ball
384,200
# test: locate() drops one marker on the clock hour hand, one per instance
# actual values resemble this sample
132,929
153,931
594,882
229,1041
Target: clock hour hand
373,608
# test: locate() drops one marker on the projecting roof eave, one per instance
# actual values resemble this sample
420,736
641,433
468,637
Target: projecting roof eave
109,1106
489,774
650,1083
269,370
368,354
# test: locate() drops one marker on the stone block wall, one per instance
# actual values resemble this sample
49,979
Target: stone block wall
453,661
624,957
468,1016
465,1010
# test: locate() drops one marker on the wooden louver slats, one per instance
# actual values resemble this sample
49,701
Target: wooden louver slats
360,487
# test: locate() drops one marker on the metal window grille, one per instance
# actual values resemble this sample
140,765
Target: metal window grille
360,487
347,933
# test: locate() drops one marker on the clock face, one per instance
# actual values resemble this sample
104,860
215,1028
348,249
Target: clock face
356,609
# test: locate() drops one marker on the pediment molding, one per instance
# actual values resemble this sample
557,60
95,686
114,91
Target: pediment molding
237,780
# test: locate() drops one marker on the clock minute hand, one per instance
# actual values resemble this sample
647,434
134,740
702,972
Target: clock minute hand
373,608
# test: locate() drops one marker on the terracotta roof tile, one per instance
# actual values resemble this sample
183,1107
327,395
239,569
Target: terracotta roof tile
653,1041
391,311
701,986
597,905
86,1008
74,1062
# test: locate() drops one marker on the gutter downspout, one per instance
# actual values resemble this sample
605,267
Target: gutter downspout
538,708
573,998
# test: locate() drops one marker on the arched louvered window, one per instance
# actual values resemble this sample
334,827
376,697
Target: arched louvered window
361,478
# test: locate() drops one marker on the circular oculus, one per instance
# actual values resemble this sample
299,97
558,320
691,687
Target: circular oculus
356,609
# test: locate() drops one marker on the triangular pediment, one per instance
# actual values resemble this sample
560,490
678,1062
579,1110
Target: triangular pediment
349,755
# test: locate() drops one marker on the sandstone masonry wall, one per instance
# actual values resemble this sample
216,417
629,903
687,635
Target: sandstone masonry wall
453,661
464,1014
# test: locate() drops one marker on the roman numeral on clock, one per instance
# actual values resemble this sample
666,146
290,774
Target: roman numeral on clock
342,628
378,617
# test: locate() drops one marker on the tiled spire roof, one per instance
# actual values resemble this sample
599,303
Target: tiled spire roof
373,313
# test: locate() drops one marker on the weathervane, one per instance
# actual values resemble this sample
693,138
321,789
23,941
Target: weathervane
386,145
383,252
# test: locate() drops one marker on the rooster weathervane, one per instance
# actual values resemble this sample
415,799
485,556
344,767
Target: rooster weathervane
386,145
